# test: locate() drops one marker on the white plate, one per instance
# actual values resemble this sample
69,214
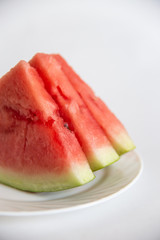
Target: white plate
109,182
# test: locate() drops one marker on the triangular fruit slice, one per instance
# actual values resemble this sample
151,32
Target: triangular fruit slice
113,128
95,144
37,153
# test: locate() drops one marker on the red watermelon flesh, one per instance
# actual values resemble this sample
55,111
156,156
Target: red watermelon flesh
37,152
95,144
112,127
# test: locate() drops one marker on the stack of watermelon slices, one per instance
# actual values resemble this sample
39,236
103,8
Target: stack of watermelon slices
54,132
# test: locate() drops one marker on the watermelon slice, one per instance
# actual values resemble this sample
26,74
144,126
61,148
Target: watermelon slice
37,152
112,127
95,144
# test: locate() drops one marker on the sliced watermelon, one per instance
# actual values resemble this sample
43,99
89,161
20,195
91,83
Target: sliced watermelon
113,128
37,153
95,144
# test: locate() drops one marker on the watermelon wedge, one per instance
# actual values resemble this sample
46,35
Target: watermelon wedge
91,137
37,152
112,127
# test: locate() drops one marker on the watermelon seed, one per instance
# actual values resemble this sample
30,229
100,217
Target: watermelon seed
66,125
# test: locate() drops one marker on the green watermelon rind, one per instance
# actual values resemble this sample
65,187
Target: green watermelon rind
48,182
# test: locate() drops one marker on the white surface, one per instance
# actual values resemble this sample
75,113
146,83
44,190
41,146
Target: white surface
114,45
109,183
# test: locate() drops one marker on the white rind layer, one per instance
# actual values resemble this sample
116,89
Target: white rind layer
102,157
122,143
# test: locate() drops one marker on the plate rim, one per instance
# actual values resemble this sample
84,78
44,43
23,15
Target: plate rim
78,206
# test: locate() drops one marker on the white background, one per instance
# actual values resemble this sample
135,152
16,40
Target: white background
115,47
